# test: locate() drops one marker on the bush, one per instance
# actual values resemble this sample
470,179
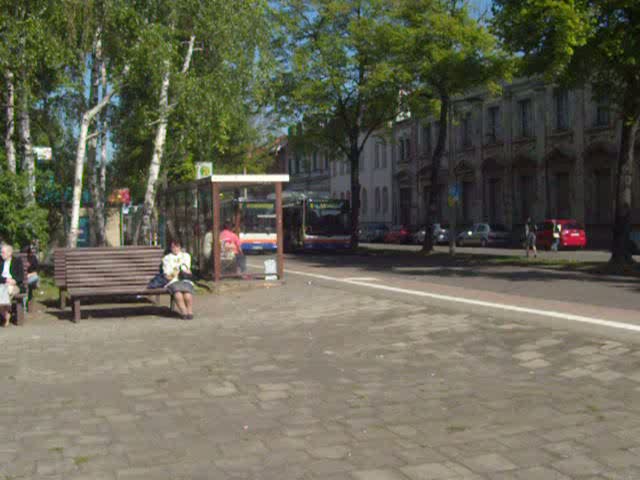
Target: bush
20,224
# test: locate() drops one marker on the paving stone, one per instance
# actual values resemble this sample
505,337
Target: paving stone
578,465
377,475
490,462
428,471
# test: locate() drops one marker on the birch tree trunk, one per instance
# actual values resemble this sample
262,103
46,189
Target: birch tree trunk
101,236
92,142
87,118
9,142
28,162
158,145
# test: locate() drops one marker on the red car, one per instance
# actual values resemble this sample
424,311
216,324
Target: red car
572,234
398,234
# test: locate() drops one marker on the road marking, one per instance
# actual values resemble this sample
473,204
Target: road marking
480,303
361,279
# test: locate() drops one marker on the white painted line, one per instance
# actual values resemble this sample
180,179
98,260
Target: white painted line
362,279
480,303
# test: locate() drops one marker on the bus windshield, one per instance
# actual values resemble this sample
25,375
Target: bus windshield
328,217
258,217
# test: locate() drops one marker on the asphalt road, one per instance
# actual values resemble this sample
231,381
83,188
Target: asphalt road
576,290
576,255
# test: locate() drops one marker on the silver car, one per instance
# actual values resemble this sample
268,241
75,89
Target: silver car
484,235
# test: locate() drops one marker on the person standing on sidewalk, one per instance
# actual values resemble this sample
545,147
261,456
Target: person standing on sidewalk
556,236
530,229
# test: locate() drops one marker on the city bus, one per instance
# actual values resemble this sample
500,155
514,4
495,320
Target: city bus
316,223
258,226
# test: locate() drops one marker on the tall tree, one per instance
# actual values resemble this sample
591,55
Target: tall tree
579,41
9,141
337,78
194,78
443,52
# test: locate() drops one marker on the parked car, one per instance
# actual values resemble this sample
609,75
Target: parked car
635,242
373,232
398,234
440,234
572,235
484,235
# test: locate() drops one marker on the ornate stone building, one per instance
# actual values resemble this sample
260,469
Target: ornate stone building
536,150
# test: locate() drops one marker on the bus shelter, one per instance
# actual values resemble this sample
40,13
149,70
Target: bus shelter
195,213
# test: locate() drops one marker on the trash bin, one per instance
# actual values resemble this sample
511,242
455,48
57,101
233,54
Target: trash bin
270,269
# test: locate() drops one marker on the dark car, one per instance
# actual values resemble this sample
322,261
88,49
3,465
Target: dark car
373,232
484,235
440,234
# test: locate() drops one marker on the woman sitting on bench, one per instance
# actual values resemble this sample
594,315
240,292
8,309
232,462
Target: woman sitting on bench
11,280
176,266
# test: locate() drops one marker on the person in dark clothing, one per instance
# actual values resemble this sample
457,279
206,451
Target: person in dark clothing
32,270
11,281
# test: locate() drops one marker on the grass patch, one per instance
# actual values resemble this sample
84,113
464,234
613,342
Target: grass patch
80,461
56,450
46,289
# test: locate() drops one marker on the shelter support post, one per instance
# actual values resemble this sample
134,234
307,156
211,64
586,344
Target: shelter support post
279,231
217,264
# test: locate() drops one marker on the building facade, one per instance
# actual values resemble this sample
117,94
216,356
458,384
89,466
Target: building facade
376,195
534,150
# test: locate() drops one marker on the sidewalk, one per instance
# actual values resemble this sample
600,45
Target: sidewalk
308,382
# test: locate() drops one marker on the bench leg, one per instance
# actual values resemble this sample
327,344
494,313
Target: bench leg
76,310
171,304
19,312
63,300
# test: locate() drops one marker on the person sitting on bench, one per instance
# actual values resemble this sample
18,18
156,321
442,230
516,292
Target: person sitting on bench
176,266
11,281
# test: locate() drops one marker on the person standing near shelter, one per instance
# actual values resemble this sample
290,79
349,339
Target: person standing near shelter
176,266
231,248
530,237
11,281
557,228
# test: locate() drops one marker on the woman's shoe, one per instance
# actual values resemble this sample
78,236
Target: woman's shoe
188,317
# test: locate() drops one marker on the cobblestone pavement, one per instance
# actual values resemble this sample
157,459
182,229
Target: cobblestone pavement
309,382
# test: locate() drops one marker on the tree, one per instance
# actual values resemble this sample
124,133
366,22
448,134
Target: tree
195,77
443,53
337,80
9,142
578,41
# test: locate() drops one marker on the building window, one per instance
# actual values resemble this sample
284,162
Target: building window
401,151
290,166
376,160
298,164
364,201
493,125
341,195
383,154
602,113
326,161
315,161
385,200
426,139
466,131
407,149
561,103
377,199
342,167
524,119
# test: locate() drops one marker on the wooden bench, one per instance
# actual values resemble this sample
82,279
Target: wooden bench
60,266
95,273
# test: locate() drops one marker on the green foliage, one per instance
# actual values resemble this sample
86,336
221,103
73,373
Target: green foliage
443,52
212,103
578,41
20,224
338,76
